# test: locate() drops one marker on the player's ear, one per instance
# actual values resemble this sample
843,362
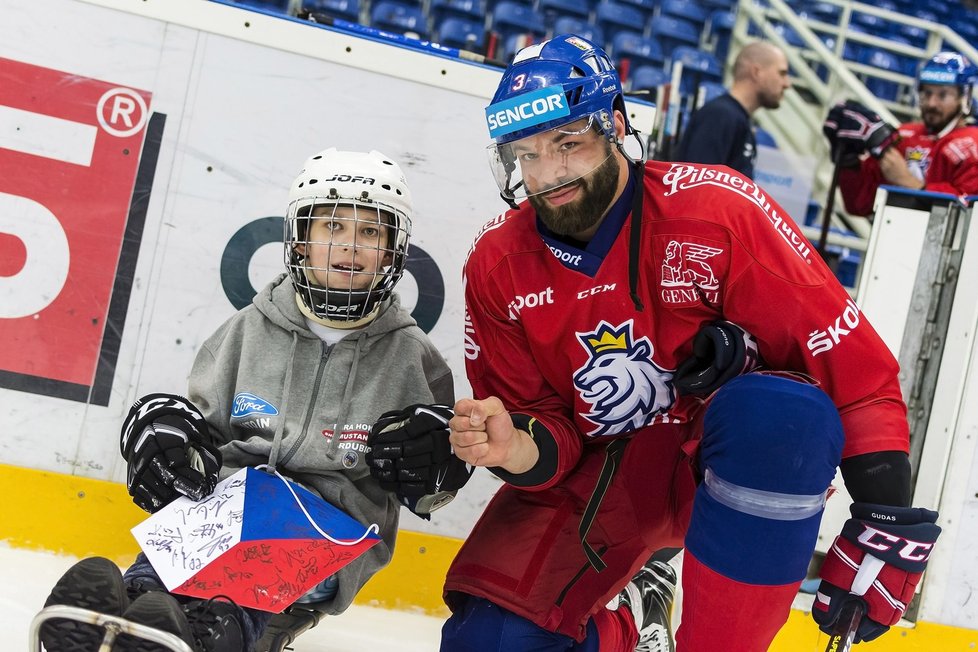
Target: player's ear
619,125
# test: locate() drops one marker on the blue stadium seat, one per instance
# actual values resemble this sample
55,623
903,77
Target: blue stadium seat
554,9
674,32
637,50
686,10
399,18
823,11
460,33
709,91
646,7
764,137
571,25
344,9
714,5
613,17
510,18
882,88
646,78
512,44
274,6
718,30
440,10
698,67
788,33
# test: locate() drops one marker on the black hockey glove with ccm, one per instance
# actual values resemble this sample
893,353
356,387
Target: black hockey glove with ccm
853,129
721,351
410,455
166,442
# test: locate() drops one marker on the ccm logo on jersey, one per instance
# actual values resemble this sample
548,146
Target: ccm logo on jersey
823,340
532,300
909,550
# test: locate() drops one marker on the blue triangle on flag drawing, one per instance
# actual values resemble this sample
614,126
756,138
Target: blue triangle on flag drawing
271,512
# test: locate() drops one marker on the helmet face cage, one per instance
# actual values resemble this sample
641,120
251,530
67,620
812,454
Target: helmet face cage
951,69
553,158
347,232
564,84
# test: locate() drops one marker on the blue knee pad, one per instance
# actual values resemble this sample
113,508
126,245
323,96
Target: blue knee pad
482,626
769,452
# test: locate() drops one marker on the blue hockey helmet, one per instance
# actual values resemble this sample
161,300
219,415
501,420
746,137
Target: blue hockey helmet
550,86
951,69
948,69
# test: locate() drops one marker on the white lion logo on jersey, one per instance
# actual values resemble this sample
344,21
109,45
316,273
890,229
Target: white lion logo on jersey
684,266
625,389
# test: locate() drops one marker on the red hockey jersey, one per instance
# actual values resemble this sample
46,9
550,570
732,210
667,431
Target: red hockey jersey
553,331
947,163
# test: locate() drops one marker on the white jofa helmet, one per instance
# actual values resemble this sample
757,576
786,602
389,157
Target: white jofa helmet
372,185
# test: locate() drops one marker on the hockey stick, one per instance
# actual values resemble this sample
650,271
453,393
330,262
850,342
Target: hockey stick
849,619
830,203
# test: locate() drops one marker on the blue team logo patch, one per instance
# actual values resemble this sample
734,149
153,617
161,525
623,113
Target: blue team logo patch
526,110
246,404
624,388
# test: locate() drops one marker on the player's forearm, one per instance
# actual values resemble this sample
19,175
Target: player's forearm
881,478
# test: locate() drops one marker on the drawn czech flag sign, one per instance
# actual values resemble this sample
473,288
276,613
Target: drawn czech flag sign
258,539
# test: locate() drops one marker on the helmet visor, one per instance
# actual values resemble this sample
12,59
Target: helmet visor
550,159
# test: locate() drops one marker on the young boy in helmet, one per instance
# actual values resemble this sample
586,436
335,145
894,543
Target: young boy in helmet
292,381
937,154
615,319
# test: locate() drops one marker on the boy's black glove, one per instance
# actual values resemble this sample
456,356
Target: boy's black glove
166,442
853,129
721,351
410,455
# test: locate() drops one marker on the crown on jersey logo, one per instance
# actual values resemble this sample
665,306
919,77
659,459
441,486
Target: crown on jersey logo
607,339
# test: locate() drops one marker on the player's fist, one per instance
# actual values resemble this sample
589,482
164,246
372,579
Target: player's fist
483,434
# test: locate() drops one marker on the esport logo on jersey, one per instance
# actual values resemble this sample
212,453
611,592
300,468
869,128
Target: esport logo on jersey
621,383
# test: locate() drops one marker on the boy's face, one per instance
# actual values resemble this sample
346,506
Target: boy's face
346,247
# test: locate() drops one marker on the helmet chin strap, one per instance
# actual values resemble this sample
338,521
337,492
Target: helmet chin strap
335,323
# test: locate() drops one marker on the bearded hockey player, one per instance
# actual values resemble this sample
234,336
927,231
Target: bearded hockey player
615,319
937,154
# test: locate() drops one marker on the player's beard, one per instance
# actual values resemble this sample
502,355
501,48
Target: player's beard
597,191
936,121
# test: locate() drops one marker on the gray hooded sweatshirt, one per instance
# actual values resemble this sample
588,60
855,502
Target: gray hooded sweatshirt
274,393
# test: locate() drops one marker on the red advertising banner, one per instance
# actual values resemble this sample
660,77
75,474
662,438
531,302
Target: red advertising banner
71,155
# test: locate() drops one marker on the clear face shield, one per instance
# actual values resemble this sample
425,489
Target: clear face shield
551,159
344,258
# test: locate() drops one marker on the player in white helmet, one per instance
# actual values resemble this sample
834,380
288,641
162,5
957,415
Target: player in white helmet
320,352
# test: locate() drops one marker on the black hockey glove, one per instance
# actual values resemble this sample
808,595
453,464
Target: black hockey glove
721,351
853,129
410,455
166,442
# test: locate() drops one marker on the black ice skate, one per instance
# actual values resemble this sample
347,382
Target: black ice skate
94,584
216,625
160,611
649,595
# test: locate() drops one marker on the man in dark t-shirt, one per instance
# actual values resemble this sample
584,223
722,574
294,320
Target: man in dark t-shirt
720,132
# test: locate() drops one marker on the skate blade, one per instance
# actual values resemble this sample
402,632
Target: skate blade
113,625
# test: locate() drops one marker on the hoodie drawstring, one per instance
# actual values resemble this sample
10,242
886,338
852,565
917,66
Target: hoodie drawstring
347,391
286,388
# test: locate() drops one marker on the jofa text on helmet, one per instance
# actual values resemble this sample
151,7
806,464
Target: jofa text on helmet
351,178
